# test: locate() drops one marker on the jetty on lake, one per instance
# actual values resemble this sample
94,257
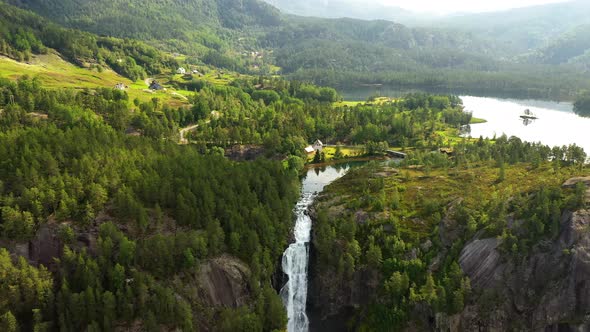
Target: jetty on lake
395,154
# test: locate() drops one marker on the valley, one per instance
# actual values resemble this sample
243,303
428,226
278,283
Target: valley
222,165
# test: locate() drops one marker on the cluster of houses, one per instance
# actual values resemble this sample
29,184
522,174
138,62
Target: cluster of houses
121,86
183,71
254,54
316,146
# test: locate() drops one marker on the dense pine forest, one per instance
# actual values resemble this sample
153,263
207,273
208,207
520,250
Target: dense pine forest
151,155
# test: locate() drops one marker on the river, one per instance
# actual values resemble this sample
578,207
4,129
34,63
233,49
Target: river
296,257
556,123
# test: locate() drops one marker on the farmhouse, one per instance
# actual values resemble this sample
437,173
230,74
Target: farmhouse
181,71
318,145
156,86
120,86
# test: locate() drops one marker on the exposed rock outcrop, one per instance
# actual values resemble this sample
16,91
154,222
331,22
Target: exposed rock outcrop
549,290
331,299
223,282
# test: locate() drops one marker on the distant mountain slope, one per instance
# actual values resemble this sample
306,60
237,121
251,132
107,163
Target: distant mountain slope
219,23
570,47
346,8
525,28
471,52
23,33
154,19
374,45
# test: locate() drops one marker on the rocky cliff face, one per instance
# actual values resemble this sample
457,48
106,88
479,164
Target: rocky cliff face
331,300
548,290
223,282
218,283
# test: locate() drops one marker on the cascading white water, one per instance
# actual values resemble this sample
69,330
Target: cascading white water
295,261
296,257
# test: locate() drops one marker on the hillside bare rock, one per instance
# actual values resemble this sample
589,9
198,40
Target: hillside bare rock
571,183
449,230
549,290
223,282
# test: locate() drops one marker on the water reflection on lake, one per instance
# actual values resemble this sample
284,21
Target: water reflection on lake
556,123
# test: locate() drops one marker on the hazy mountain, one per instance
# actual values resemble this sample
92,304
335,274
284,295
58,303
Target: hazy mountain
524,28
571,47
346,8
153,19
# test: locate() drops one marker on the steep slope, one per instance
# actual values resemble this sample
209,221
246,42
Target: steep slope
525,28
417,248
175,19
250,36
346,8
570,47
372,46
23,33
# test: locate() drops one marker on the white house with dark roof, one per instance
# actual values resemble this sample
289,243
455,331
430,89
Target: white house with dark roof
318,145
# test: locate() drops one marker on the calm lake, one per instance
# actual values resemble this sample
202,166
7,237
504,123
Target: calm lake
556,123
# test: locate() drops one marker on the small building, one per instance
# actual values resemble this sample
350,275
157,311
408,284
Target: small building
318,145
181,71
447,151
309,149
156,86
120,86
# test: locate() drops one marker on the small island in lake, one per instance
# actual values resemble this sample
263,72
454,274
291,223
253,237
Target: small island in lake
528,115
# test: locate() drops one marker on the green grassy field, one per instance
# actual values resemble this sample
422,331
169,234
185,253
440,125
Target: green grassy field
347,152
54,72
473,184
350,103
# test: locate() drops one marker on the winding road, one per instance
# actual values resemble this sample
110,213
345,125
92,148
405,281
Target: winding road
184,130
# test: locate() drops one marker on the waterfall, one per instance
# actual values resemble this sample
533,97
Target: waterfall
295,262
296,257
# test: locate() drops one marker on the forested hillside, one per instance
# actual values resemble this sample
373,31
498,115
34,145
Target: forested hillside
144,228
23,33
345,8
523,29
571,47
174,19
132,218
132,206
404,248
335,52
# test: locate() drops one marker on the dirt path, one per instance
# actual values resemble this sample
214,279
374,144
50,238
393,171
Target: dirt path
184,130
178,95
